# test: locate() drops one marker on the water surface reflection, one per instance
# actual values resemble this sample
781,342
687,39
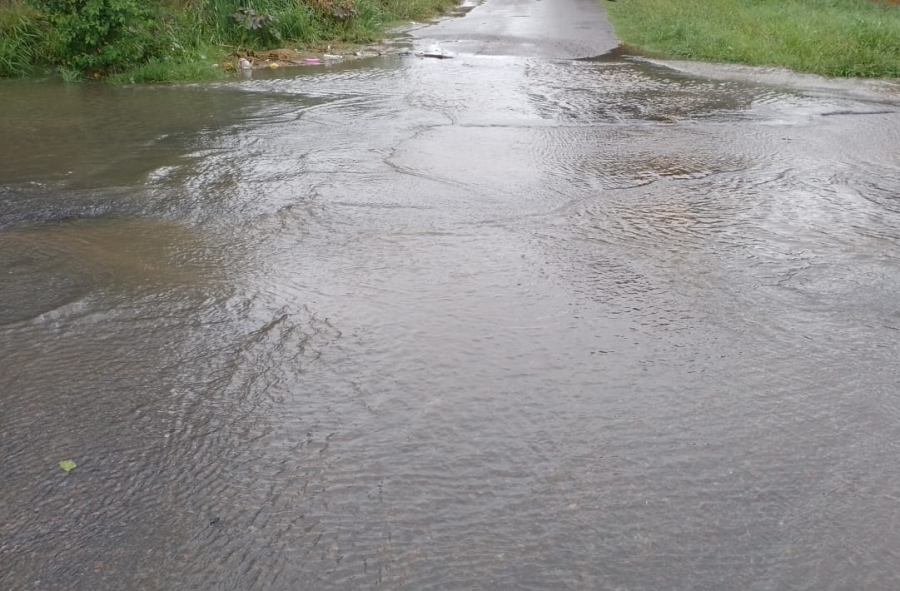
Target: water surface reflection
482,323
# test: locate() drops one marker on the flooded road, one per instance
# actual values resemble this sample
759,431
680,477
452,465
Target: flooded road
494,322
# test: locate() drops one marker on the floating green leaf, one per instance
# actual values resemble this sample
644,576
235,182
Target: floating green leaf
67,465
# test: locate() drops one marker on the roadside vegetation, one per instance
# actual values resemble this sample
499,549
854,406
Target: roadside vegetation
828,37
171,40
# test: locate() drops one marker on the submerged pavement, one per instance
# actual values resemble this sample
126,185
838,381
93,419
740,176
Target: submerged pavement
510,320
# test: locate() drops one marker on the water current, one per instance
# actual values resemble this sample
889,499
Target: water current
481,323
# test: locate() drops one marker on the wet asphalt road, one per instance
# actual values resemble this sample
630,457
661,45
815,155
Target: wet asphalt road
560,29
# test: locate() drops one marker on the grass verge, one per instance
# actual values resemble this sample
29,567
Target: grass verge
828,37
129,41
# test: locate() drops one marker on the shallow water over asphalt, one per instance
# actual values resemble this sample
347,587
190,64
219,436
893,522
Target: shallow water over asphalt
481,323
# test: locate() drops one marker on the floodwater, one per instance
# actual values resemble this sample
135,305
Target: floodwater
492,322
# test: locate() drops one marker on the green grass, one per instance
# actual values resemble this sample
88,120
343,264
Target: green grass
182,39
164,70
828,37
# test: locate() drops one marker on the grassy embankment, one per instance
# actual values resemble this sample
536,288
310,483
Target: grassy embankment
170,40
828,37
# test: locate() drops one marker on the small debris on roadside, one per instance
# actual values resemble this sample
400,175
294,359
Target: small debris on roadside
439,56
312,56
436,52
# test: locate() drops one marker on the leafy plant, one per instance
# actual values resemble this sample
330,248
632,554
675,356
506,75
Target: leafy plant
341,10
252,20
101,35
260,24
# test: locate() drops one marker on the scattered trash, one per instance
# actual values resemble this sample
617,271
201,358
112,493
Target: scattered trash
215,521
67,465
282,58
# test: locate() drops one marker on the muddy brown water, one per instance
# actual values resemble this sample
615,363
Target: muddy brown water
480,323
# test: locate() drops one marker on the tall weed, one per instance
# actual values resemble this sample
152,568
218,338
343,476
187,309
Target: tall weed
22,33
